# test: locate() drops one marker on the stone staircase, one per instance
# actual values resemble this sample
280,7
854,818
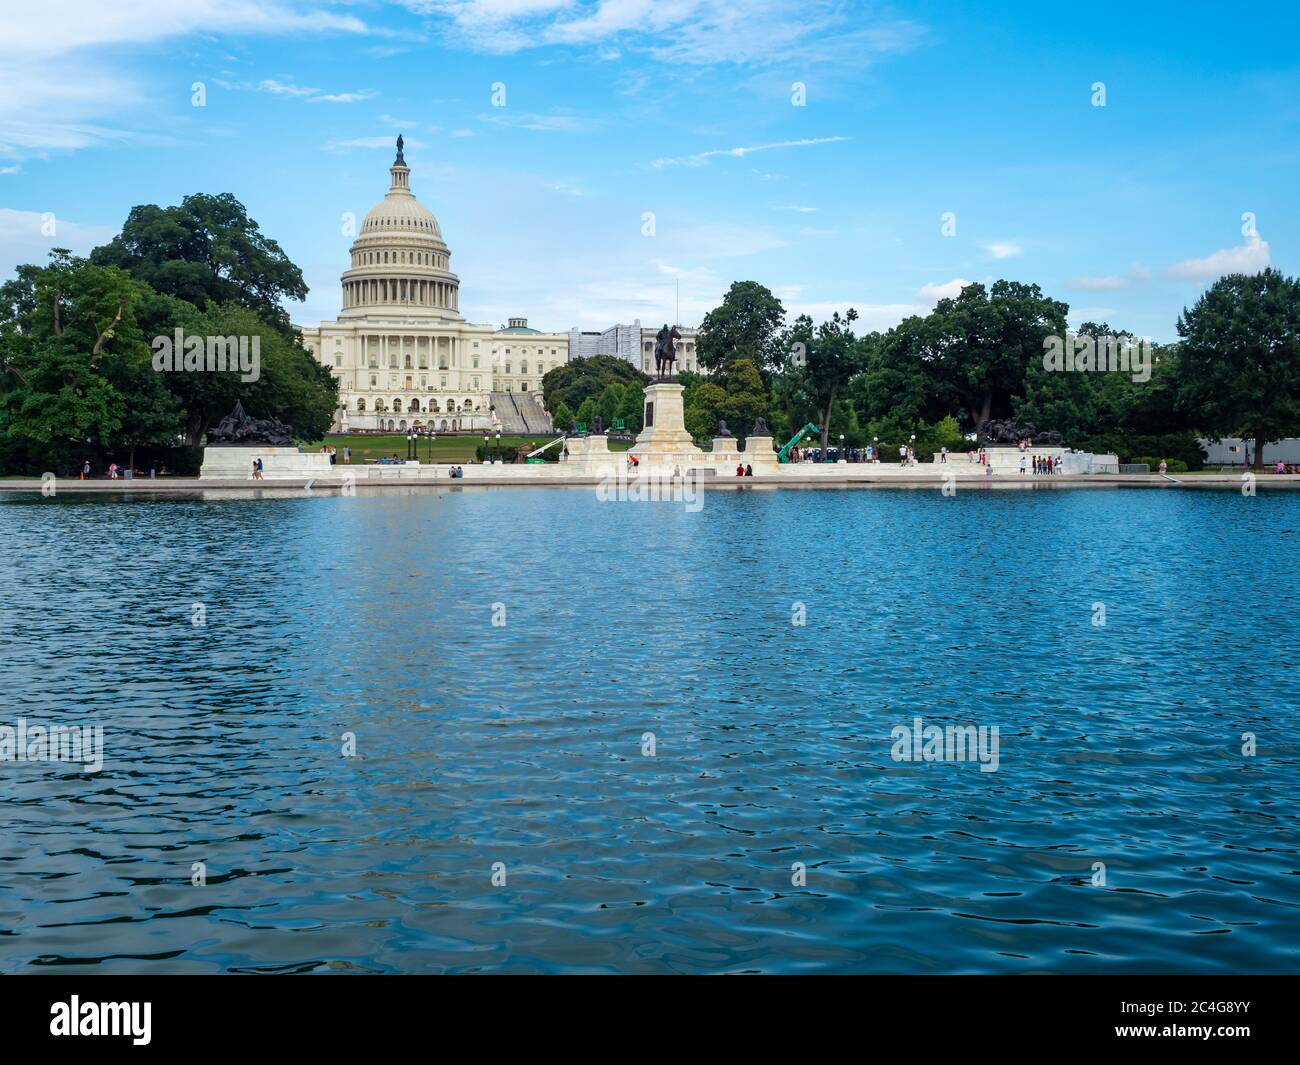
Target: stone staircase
519,414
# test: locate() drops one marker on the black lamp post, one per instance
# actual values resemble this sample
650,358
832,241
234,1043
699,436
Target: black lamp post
498,447
486,441
431,436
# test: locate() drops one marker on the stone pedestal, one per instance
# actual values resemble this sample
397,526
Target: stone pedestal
726,449
278,463
591,454
664,441
759,453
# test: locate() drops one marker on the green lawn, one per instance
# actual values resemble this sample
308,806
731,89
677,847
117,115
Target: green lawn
446,448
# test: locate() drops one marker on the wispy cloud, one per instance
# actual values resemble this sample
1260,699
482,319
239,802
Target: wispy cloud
700,158
1107,283
96,102
1002,249
344,97
384,140
558,122
45,30
758,33
793,207
306,93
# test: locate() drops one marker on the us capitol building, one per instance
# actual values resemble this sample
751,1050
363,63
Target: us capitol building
405,357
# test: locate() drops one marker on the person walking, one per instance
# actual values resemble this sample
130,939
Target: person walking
347,455
85,469
943,454
1022,464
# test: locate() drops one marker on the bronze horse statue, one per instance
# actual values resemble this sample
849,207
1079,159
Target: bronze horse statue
665,351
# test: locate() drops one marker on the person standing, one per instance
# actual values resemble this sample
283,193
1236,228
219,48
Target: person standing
85,469
1022,463
347,455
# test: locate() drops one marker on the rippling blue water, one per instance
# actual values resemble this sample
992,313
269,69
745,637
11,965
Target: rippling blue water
522,743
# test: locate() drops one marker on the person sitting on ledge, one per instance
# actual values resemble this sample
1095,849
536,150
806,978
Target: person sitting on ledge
740,470
749,471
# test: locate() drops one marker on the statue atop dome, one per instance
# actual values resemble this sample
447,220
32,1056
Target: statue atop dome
399,161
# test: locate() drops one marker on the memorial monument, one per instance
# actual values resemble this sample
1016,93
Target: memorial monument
239,440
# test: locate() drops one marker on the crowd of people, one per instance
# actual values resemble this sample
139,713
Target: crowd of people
1046,465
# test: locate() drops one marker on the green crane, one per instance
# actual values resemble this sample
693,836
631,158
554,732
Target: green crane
784,454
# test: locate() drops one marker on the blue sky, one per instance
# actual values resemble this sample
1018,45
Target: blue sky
682,109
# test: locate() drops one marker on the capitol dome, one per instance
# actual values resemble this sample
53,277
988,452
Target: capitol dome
399,260
400,211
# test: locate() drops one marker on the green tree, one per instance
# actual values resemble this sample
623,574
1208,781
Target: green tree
562,417
832,356
206,251
746,325
583,378
64,330
746,397
971,355
1240,358
611,399
702,405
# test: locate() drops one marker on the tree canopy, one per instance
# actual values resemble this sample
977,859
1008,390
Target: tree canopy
1240,368
205,251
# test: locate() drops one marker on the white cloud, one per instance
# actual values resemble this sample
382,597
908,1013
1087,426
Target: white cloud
46,30
793,207
279,88
1002,249
344,97
21,239
74,35
943,290
9,169
552,123
1248,258
1138,275
700,158
872,317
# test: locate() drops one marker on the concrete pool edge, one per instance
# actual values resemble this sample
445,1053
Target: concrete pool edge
336,485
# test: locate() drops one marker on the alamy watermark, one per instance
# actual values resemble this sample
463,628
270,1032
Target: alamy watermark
25,742
920,742
1075,353
651,486
195,354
